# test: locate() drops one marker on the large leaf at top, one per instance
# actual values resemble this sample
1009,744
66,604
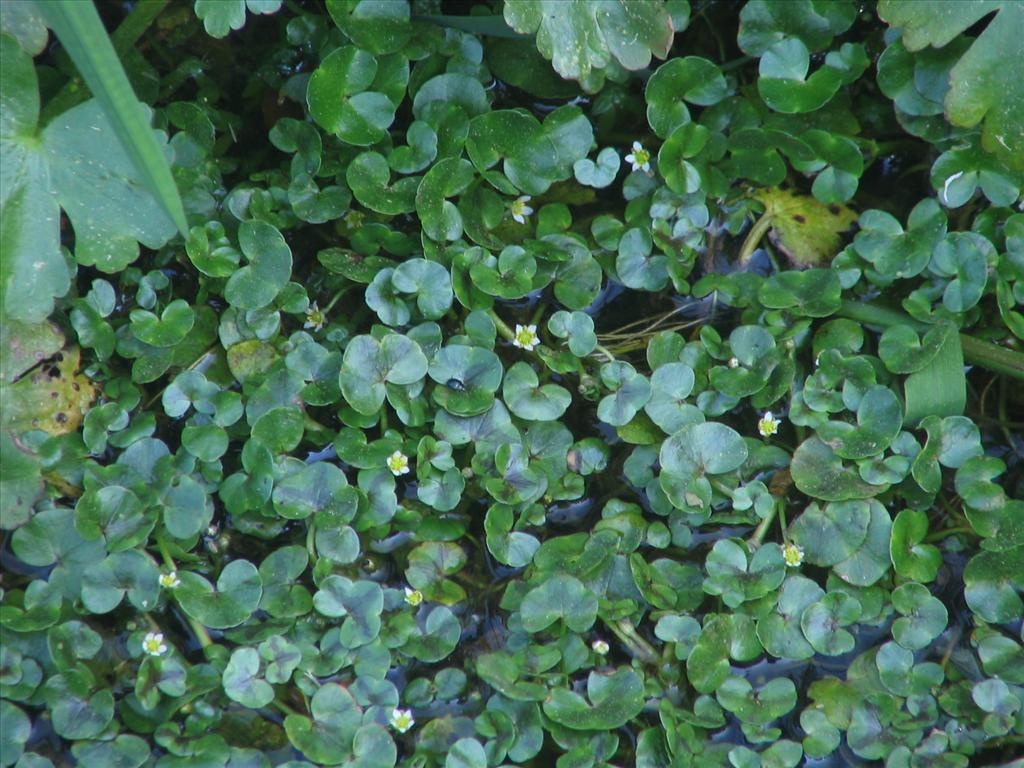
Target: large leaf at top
987,83
32,271
77,24
581,37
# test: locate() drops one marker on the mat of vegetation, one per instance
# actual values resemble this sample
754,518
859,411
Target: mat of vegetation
568,383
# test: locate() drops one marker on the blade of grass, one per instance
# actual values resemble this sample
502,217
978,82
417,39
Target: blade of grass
975,351
940,388
79,29
123,39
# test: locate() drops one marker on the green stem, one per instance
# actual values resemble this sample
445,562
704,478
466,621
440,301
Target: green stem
626,633
604,351
782,520
278,704
753,238
502,326
984,353
205,641
311,540
721,487
940,535
757,538
538,313
334,299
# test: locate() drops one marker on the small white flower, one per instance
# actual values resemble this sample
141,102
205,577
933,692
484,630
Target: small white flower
526,337
520,209
401,720
734,362
315,319
639,158
600,647
153,644
793,554
398,463
768,424
413,596
169,580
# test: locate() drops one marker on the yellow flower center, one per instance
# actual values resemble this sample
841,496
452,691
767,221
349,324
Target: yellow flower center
398,463
641,156
792,554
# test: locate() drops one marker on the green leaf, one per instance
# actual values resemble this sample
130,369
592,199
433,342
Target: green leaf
222,16
528,400
78,26
822,623
783,81
940,387
241,680
33,271
923,617
582,38
379,27
689,78
994,582
21,482
911,557
831,533
820,473
328,737
772,700
987,83
598,173
612,700
236,596
738,575
630,392
559,597
468,378
339,99
764,23
130,573
369,364
268,270
693,452
958,173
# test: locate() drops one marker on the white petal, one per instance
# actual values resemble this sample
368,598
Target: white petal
637,146
519,217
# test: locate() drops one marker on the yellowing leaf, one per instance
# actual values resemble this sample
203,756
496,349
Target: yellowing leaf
53,397
807,231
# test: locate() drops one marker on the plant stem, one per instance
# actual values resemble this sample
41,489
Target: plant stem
940,535
757,538
334,299
501,325
311,540
538,313
625,632
753,238
198,629
604,351
984,353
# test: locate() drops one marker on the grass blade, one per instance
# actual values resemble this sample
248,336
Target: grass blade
77,24
940,388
